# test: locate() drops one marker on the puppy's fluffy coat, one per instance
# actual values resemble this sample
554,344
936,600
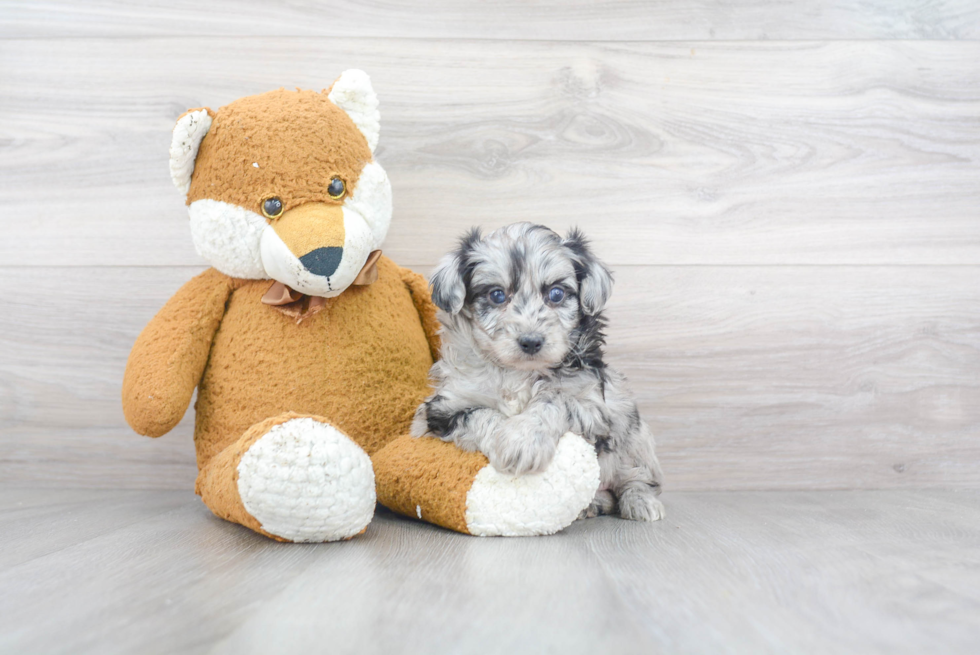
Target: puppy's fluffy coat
522,364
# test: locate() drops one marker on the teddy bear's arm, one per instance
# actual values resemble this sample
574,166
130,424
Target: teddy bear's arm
169,356
419,288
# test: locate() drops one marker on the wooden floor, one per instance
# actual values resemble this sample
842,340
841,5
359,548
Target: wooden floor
753,572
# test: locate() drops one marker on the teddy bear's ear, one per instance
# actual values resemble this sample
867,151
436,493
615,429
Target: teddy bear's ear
353,93
188,133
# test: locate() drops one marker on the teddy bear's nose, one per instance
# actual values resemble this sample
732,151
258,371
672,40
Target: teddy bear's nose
323,261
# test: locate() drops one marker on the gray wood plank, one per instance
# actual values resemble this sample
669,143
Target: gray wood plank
801,572
428,591
38,522
815,377
552,20
61,380
683,153
174,582
99,458
751,377
868,571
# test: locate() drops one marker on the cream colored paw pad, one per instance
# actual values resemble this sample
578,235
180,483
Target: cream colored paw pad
499,504
307,481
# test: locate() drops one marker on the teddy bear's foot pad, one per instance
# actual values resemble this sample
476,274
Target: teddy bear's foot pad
304,480
499,504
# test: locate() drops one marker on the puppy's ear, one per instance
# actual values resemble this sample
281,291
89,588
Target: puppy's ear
449,280
594,279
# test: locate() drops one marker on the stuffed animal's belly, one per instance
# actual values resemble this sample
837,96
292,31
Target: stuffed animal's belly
361,362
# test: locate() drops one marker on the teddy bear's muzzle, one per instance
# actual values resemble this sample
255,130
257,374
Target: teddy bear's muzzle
319,249
315,234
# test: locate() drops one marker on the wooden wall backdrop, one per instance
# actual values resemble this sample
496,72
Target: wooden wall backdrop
788,192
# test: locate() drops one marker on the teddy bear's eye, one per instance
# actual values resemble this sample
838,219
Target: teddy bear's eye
337,188
272,207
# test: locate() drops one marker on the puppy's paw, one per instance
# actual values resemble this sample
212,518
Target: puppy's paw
640,504
603,503
420,422
525,445
518,458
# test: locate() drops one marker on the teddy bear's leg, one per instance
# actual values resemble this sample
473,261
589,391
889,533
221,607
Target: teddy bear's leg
435,481
293,478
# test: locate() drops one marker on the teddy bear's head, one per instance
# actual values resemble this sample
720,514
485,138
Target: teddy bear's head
283,185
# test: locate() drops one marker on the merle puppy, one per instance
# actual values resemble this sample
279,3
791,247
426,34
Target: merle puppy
522,364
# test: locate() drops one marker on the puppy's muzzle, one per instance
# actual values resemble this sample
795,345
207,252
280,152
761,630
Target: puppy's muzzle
530,343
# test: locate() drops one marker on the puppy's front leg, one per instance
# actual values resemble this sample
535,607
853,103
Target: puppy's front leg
452,419
638,502
526,442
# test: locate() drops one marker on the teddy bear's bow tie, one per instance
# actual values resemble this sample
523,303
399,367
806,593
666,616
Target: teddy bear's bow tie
300,306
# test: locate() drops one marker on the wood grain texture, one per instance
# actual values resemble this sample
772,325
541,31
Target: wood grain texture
665,20
790,198
751,377
35,523
818,377
679,153
61,373
803,572
869,572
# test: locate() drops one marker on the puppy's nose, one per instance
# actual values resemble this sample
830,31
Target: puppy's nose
323,261
530,343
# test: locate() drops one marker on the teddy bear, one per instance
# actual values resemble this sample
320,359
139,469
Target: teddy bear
309,349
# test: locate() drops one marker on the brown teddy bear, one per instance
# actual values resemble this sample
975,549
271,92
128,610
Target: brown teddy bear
310,350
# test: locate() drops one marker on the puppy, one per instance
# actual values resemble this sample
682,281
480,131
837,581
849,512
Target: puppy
522,364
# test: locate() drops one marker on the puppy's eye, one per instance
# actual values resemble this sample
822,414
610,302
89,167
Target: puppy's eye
497,296
337,188
272,207
556,294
